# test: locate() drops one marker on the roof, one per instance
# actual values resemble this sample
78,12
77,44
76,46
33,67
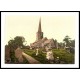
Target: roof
42,42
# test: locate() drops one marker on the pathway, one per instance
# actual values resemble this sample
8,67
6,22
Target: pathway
30,59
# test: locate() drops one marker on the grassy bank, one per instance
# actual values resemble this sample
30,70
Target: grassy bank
64,56
41,57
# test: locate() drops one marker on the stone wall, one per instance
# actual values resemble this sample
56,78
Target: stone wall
18,55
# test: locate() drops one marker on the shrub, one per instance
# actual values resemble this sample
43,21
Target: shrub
41,56
64,56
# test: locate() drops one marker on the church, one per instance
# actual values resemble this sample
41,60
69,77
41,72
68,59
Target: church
43,42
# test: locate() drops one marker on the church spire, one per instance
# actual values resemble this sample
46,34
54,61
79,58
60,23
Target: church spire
39,33
39,29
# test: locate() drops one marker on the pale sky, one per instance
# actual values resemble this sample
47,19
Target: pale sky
54,26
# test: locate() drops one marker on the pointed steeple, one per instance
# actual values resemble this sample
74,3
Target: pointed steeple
39,29
39,33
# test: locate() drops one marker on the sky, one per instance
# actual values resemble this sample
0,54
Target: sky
55,26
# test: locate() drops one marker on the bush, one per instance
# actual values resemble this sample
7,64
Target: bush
67,58
41,56
12,56
64,56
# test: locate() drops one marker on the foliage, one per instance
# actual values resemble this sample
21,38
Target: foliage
67,41
40,57
64,56
61,45
16,42
14,60
19,40
72,43
12,56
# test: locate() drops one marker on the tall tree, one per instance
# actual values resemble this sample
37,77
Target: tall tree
67,41
61,45
19,40
16,42
72,43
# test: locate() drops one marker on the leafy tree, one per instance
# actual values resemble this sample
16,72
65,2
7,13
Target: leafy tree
19,40
67,40
16,42
61,45
11,44
72,43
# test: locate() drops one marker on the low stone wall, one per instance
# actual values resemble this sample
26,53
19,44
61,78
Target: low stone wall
18,55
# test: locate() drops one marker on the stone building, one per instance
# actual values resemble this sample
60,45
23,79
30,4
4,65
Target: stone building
42,42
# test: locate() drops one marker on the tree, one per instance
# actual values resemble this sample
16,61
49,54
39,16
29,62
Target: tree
16,42
11,45
19,40
61,45
67,40
72,43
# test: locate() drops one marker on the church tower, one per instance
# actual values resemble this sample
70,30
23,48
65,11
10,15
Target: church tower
39,34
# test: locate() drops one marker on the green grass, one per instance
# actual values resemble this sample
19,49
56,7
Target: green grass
64,56
41,57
